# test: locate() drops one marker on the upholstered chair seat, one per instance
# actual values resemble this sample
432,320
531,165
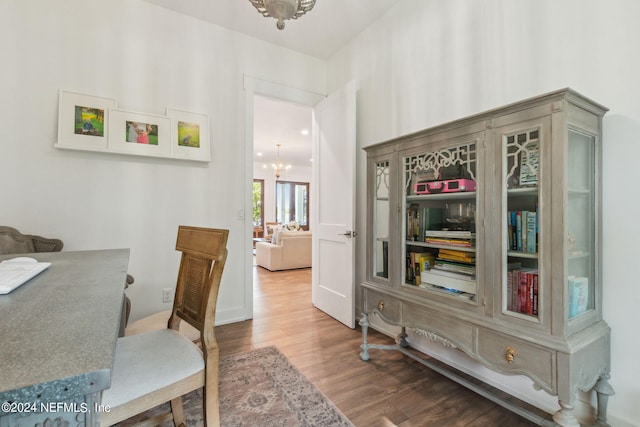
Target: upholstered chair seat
140,360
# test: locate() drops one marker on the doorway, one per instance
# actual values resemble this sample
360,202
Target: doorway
260,95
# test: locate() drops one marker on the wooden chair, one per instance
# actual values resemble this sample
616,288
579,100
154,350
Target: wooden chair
161,366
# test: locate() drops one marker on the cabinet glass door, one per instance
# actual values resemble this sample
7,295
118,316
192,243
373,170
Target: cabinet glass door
520,275
440,222
381,220
581,224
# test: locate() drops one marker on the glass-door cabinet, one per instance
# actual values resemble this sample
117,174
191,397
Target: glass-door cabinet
484,234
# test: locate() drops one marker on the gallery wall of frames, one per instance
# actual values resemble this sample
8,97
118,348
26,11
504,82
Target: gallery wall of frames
94,123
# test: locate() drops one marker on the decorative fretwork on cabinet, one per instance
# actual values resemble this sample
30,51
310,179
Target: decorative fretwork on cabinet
484,234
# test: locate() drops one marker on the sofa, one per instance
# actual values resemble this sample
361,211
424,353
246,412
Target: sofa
287,250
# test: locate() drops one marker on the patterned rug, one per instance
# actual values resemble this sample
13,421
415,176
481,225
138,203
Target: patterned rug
262,388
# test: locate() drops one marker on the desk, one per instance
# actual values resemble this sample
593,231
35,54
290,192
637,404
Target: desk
58,336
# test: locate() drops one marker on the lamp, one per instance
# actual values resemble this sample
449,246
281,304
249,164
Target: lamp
283,9
278,166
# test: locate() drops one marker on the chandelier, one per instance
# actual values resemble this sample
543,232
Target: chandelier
283,9
278,166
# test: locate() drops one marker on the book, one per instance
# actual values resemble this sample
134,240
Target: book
525,280
511,292
427,261
431,219
529,159
454,252
531,233
511,231
412,222
522,231
441,264
450,234
456,256
449,242
519,230
578,295
445,281
447,257
417,261
454,274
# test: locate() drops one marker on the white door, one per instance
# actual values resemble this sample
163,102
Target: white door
333,205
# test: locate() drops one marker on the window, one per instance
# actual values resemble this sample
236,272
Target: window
292,203
258,202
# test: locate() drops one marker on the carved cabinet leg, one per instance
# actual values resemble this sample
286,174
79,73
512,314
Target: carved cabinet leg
402,338
603,390
364,324
564,416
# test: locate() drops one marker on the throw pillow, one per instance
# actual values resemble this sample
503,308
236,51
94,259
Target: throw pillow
293,226
275,236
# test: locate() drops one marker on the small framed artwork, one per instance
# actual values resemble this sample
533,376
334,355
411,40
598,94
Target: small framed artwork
189,135
83,121
140,134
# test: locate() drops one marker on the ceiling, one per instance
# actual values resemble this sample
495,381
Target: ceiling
320,33
280,122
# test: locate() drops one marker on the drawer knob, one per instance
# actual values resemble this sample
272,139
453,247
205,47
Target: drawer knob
510,353
381,305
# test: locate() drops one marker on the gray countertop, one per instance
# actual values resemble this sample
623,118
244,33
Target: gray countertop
58,331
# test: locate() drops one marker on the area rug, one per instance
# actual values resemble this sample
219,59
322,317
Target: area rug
262,388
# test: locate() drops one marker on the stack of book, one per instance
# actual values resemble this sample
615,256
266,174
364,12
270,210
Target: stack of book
523,231
416,263
522,290
462,239
452,270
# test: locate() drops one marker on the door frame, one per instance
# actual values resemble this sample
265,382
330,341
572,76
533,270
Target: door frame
252,87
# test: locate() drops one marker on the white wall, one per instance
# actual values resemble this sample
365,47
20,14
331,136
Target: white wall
427,62
148,58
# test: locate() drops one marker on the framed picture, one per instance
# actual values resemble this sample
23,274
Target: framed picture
189,135
83,121
141,134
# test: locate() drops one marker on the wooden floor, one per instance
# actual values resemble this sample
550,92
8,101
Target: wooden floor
388,390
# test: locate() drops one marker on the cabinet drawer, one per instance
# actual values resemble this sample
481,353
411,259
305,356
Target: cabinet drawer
389,307
514,356
458,332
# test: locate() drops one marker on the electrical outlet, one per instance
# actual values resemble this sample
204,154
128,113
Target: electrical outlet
167,295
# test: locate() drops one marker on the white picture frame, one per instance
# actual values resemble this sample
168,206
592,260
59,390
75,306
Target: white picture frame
139,134
83,121
190,135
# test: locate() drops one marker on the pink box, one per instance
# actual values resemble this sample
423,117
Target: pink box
447,186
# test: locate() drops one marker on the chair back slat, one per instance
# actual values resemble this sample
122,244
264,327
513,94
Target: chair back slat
204,254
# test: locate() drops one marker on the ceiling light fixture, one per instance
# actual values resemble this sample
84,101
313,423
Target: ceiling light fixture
283,9
278,166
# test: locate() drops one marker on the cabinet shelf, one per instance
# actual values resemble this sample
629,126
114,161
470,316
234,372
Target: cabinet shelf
442,196
523,191
579,192
518,254
436,246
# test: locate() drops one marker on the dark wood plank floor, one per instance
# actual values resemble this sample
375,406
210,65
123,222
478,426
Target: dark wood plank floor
388,390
